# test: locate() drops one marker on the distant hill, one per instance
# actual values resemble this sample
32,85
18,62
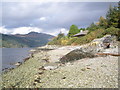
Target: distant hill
32,39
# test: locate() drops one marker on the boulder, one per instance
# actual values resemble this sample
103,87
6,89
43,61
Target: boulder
50,67
76,55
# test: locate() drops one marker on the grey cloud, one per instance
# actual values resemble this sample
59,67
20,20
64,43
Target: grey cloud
58,15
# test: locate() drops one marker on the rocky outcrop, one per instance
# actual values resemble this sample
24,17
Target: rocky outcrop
99,45
90,50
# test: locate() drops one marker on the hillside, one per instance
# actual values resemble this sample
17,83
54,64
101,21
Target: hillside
32,39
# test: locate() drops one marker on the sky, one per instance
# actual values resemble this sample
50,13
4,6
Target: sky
49,17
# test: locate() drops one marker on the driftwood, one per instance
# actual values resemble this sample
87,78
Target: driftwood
108,54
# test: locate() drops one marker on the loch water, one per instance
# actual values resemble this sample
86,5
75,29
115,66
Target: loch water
10,56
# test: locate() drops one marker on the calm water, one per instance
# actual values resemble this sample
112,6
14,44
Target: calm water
13,55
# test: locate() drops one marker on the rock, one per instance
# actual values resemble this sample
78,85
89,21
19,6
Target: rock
98,45
67,64
64,78
37,81
71,85
106,41
42,68
112,50
88,68
45,59
34,84
40,72
32,50
83,69
76,55
26,58
18,63
50,67
89,50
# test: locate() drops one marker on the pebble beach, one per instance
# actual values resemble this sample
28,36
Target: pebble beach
43,70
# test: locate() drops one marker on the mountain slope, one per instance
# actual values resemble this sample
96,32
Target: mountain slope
32,39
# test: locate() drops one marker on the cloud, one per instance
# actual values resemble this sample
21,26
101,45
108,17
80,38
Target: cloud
51,16
55,32
4,30
26,30
43,19
65,31
20,30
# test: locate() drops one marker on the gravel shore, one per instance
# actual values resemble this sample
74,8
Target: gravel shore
44,71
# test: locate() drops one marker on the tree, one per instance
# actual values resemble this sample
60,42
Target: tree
118,14
60,35
112,16
102,22
92,27
81,29
73,30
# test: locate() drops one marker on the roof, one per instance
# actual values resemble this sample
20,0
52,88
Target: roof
81,33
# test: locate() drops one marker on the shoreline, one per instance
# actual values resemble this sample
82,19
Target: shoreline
18,63
30,55
44,71
23,69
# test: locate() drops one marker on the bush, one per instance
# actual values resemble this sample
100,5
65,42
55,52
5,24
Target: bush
113,31
91,36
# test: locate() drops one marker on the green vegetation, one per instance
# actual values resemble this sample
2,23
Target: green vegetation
113,16
11,41
102,22
109,25
73,30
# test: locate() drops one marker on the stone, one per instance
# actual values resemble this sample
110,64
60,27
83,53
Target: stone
45,59
18,63
76,55
41,68
37,81
88,68
40,72
50,67
64,78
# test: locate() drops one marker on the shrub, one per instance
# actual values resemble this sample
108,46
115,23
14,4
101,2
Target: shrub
113,31
91,36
